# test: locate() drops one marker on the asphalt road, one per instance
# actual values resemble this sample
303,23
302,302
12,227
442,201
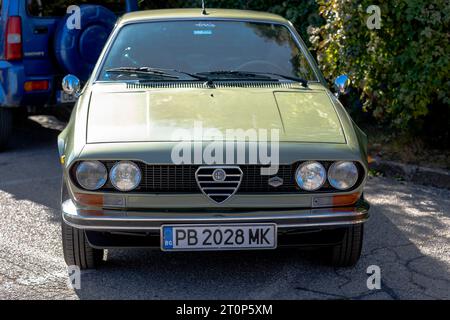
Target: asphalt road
408,237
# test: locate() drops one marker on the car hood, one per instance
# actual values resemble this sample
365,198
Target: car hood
117,114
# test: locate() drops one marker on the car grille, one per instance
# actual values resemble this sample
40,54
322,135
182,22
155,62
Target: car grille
181,179
219,183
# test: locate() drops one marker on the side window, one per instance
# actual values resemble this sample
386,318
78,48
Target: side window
43,8
34,8
58,8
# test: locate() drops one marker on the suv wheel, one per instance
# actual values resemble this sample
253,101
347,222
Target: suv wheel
6,120
347,253
77,250
20,116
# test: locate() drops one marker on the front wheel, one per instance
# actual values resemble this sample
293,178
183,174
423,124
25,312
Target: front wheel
77,250
347,253
6,122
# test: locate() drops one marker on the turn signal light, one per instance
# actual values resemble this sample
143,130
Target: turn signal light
40,85
93,200
336,200
347,199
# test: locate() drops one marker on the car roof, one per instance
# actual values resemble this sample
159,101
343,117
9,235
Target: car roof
197,14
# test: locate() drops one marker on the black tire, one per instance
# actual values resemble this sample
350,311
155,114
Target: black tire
6,124
77,250
62,113
347,253
20,116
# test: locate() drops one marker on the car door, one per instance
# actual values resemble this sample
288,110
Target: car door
39,21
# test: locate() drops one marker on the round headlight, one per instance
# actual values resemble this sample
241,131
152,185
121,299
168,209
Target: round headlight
310,175
343,175
125,175
91,175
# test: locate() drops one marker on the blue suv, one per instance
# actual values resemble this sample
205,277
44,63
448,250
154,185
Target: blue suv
40,43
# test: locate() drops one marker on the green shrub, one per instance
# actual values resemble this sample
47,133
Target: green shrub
401,69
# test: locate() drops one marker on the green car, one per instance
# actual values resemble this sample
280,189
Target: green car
210,131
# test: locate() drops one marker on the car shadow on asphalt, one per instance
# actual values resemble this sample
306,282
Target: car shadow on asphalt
29,166
392,239
35,133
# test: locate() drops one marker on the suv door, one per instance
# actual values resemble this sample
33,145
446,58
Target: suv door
39,21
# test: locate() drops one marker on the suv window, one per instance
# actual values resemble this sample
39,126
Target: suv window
58,8
203,46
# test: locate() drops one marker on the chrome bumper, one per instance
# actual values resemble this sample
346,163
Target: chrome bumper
154,219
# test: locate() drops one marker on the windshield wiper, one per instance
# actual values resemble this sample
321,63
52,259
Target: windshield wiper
232,75
142,71
266,76
158,72
302,81
208,76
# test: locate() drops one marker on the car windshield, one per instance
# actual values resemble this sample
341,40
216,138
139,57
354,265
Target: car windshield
192,47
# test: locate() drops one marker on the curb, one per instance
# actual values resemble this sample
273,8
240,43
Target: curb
421,175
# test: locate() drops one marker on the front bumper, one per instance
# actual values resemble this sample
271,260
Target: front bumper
147,220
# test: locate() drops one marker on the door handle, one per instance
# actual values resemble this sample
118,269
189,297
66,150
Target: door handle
40,30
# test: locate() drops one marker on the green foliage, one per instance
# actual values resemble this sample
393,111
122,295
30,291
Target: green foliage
401,69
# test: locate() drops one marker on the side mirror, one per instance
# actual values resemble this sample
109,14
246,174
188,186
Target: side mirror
71,85
341,84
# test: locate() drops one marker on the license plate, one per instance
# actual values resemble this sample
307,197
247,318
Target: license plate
218,237
62,97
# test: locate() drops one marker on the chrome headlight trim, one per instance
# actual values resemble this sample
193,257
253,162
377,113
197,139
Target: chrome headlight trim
133,170
91,166
300,179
